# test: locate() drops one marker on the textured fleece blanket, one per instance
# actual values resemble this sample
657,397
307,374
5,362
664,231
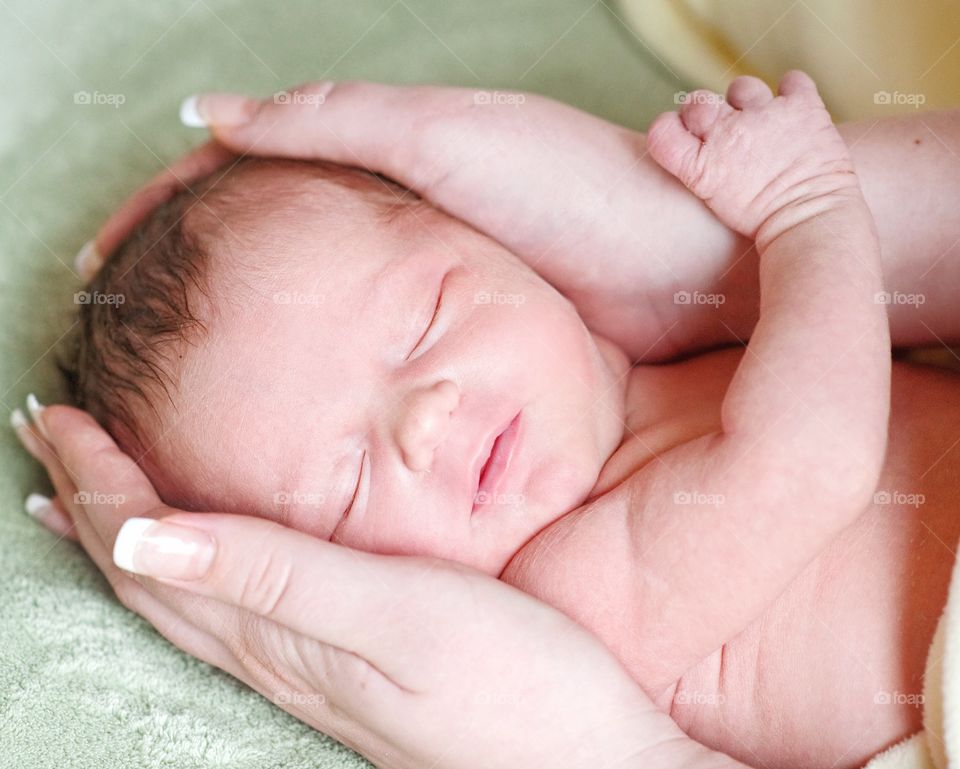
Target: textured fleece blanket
90,96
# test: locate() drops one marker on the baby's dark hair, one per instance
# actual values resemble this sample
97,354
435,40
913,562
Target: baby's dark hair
149,302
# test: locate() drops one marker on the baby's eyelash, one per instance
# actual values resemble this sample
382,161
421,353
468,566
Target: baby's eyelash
353,499
436,312
356,489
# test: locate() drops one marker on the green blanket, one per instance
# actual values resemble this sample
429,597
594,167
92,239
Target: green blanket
90,97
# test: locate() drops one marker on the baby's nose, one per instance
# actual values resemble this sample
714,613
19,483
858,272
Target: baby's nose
423,422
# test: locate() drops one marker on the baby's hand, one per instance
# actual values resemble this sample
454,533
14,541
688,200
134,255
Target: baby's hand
761,163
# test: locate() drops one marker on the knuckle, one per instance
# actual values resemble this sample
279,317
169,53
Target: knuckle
265,583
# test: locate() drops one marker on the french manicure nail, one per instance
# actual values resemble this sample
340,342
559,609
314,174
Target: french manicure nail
160,549
189,114
37,506
88,260
223,110
36,408
17,419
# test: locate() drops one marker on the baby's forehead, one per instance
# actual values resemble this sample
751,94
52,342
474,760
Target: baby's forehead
285,224
290,344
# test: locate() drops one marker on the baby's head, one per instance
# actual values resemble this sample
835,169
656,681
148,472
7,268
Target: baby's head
282,330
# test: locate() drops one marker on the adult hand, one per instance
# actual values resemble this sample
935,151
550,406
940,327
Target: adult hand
411,661
572,195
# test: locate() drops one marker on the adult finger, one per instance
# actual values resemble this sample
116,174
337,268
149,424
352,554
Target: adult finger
163,607
313,587
33,439
447,144
108,484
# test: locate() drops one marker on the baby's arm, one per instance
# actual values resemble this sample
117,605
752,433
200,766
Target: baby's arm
697,543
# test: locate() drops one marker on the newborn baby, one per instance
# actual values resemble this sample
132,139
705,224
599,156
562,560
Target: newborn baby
317,345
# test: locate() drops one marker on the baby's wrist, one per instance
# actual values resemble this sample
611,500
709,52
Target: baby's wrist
836,209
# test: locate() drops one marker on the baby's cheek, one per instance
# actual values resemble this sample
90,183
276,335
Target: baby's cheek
302,518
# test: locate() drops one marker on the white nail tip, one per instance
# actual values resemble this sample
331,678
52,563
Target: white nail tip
87,261
190,115
17,419
129,535
34,406
36,505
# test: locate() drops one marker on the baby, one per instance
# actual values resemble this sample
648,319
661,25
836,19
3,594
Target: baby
316,345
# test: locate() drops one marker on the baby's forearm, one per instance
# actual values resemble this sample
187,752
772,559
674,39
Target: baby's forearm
814,383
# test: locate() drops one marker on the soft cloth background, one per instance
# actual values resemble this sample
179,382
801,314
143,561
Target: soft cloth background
84,683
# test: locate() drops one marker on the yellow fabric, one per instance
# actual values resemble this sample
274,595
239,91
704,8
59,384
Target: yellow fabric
870,58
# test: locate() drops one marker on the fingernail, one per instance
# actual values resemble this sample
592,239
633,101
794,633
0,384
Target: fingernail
41,509
160,549
21,427
36,408
88,261
226,110
190,115
17,419
37,506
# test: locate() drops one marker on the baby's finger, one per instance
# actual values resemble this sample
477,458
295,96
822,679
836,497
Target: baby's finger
748,92
192,166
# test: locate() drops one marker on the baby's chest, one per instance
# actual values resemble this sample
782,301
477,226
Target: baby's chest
666,406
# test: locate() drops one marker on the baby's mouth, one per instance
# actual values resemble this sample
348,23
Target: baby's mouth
494,469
